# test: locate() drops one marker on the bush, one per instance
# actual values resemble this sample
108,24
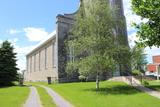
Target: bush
82,78
136,72
145,83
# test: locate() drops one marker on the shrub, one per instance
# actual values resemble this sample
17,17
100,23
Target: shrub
145,83
136,72
82,78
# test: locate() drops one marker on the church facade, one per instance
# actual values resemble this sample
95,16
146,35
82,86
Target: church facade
49,58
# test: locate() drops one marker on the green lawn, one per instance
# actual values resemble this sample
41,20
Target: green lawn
154,85
13,96
111,94
45,98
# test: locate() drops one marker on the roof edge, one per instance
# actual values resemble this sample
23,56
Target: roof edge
43,42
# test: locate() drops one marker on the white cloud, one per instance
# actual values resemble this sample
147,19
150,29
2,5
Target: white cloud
21,52
13,31
1,41
13,41
24,50
130,16
132,38
21,63
46,38
152,52
35,34
149,51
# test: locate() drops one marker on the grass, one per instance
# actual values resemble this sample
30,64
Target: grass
155,85
111,94
45,98
14,96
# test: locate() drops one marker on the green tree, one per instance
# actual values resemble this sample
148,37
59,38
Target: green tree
148,32
8,69
138,58
93,41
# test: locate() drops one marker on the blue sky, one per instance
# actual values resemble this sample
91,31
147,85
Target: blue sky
19,14
27,22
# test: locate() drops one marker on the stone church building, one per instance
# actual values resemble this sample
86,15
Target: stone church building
49,59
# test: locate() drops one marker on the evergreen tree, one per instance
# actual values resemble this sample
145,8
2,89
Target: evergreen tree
8,69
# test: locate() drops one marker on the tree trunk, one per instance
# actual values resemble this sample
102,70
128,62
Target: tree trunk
97,82
120,70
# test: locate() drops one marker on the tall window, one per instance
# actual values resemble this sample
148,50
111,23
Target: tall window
31,64
28,65
34,62
39,60
45,58
71,54
54,56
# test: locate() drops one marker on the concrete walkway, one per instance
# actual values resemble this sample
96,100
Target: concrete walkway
137,84
59,101
33,99
149,91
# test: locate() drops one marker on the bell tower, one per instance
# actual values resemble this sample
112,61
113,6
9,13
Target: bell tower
119,5
121,32
65,23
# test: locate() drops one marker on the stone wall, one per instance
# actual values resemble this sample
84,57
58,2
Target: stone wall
64,25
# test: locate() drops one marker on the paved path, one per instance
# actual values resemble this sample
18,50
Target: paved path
137,84
147,90
59,101
33,99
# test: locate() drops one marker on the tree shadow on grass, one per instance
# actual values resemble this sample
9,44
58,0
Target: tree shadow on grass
13,85
4,85
115,90
154,87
